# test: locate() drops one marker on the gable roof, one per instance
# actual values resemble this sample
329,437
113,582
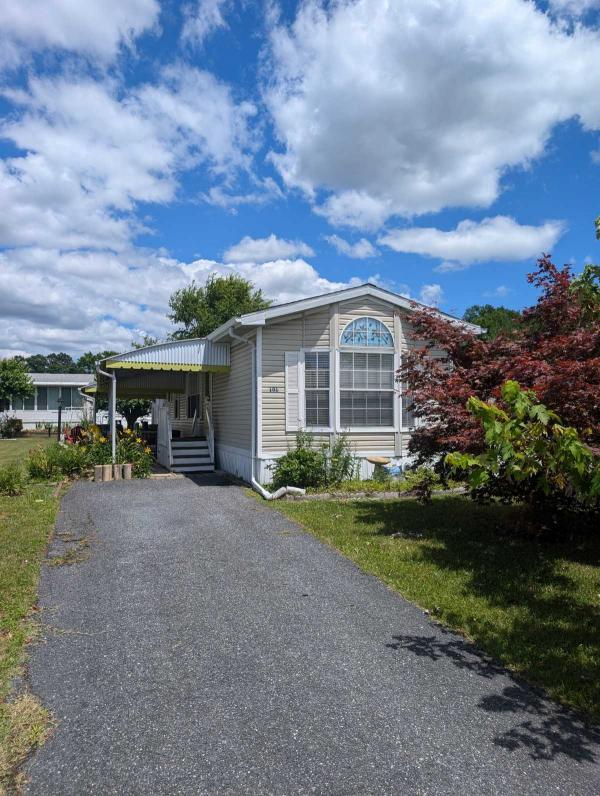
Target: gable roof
302,305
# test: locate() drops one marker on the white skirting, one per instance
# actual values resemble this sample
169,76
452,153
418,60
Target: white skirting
264,473
236,461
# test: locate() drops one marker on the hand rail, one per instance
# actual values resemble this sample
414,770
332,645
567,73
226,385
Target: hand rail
210,436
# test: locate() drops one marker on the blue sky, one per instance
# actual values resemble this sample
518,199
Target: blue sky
435,148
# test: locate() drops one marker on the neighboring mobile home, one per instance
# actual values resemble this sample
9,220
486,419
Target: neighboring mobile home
42,407
238,398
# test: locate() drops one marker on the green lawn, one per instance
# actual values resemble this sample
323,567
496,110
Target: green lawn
15,450
26,522
533,606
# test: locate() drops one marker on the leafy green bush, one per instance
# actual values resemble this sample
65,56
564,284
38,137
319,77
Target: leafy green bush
38,465
67,460
308,466
10,427
132,449
303,467
341,464
56,460
12,481
420,482
532,458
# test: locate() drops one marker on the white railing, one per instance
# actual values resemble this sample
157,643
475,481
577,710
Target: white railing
210,434
164,454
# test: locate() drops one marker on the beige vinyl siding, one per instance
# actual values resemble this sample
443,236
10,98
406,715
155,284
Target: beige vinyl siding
372,442
276,340
366,306
316,328
232,401
183,424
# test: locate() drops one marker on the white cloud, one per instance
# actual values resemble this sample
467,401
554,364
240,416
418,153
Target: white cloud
79,180
202,19
407,108
281,280
95,28
432,295
259,250
499,238
360,250
75,301
574,8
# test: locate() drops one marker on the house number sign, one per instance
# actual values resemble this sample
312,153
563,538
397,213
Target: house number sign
273,389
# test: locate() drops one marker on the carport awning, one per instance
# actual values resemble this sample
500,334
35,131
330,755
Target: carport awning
154,371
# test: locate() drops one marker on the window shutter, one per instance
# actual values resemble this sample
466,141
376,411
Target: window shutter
292,391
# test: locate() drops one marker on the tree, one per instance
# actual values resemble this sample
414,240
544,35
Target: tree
531,457
87,362
146,341
37,363
132,409
201,310
14,380
495,320
129,408
60,363
555,352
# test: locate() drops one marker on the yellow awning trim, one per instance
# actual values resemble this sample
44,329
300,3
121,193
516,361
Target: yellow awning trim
157,366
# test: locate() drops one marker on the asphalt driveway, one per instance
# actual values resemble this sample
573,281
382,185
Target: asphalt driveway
208,646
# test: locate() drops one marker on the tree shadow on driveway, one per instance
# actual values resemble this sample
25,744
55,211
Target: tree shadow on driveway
544,729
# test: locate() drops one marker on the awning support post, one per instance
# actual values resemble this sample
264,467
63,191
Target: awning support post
112,412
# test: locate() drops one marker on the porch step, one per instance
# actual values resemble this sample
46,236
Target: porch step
191,456
185,461
193,468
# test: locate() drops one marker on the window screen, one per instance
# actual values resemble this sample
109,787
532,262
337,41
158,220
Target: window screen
65,394
316,388
42,397
366,389
76,398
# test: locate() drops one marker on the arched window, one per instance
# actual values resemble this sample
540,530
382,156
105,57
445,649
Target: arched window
367,332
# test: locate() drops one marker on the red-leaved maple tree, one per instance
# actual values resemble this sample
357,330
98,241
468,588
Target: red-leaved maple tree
555,351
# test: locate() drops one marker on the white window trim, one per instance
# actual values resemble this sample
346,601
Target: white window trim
371,348
302,392
397,395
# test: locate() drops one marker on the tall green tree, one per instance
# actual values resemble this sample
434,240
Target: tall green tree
14,380
495,320
145,341
61,363
201,309
37,363
87,362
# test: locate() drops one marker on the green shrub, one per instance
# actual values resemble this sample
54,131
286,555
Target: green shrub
303,467
310,467
132,449
56,460
12,480
10,427
531,458
420,482
341,464
38,465
68,460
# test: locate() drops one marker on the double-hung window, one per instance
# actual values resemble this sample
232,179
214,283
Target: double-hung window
367,393
366,389
316,389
